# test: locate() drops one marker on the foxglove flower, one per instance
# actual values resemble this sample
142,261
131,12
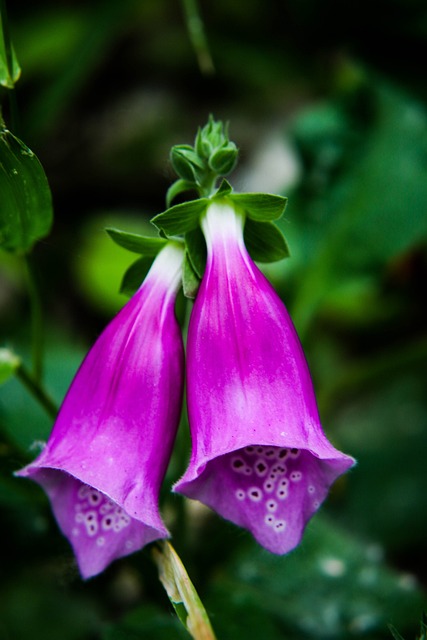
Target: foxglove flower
107,455
259,457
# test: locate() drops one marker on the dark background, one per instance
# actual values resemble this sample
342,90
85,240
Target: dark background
327,103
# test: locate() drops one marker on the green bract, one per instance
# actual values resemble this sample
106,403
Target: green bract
190,279
26,203
264,241
181,218
136,243
147,246
260,206
135,275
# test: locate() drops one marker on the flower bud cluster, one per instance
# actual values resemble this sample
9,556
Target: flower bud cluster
212,156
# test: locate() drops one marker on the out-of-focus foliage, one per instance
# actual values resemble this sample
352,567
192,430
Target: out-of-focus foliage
26,205
327,102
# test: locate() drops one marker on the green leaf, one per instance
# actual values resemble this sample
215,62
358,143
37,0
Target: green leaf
135,275
26,206
264,241
260,206
224,189
135,242
9,362
190,280
196,248
10,70
181,218
179,186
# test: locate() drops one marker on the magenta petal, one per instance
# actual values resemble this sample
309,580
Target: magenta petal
112,440
98,529
260,457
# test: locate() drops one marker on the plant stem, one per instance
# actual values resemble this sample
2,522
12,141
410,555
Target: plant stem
37,390
36,320
13,107
197,36
181,592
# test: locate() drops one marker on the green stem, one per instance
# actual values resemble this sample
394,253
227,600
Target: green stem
6,37
36,390
197,36
36,320
208,187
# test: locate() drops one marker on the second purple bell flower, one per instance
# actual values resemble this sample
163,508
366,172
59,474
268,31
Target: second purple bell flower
259,454
107,454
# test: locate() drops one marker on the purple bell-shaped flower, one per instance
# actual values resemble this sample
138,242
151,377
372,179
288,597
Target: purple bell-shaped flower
110,446
259,456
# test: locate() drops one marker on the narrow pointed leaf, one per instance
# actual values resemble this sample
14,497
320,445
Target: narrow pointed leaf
224,189
260,206
144,245
181,593
265,242
196,249
26,204
178,187
181,218
135,274
10,70
190,280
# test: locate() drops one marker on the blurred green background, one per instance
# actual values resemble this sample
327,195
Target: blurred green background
327,102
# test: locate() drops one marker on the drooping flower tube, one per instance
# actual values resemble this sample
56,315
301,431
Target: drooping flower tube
259,455
107,454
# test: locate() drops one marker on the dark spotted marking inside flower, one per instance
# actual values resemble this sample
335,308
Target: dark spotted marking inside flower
268,475
96,514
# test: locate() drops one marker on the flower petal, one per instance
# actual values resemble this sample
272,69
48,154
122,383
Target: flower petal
116,427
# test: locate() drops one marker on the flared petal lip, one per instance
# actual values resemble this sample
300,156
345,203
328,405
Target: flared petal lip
340,462
31,469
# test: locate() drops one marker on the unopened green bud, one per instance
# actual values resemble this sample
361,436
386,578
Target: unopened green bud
224,159
186,162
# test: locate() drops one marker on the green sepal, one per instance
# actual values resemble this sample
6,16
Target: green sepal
190,280
186,162
223,160
225,189
181,218
26,212
8,76
135,274
179,186
264,241
260,206
145,245
196,249
9,363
